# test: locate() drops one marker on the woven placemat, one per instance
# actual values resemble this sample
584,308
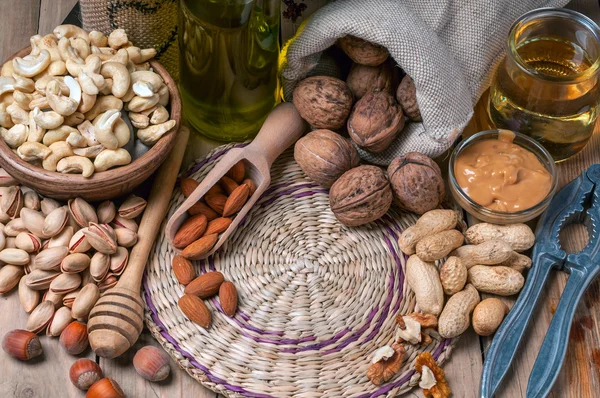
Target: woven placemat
316,299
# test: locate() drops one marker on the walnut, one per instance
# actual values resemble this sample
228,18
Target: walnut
441,389
417,182
324,102
324,156
375,121
407,98
384,369
363,52
427,321
360,195
407,333
363,78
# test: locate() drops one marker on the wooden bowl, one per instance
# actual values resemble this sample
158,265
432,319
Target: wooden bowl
105,184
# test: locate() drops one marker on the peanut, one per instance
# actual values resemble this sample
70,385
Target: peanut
424,280
519,236
487,253
453,275
432,222
519,262
499,280
454,319
488,316
435,247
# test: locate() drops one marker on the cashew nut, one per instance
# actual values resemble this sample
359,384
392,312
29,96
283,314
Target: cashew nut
121,57
139,56
22,99
152,134
57,68
91,68
47,120
15,136
7,84
7,69
5,120
87,130
153,79
67,51
59,150
61,104
76,140
87,84
40,102
32,66
69,31
139,120
122,132
160,115
7,99
74,119
30,151
76,164
142,89
42,83
130,66
88,152
142,67
110,158
103,127
17,114
119,74
24,84
117,38
98,39
102,105
163,95
81,46
87,102
58,134
107,89
139,104
36,133
48,43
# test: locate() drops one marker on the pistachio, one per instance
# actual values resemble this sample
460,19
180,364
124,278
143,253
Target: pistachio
65,283
70,297
106,212
120,222
2,238
79,242
28,242
82,212
12,201
10,243
34,222
55,221
86,276
39,279
14,256
102,238
85,301
10,275
126,237
63,238
62,317
31,200
107,283
118,261
40,317
50,259
132,207
47,205
28,297
75,263
99,266
55,298
15,227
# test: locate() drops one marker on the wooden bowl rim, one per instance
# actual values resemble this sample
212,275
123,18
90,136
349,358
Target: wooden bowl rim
164,144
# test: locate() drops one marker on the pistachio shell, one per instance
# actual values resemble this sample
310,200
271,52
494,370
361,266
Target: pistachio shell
34,222
14,256
126,237
28,297
12,201
107,283
86,276
10,275
62,317
31,200
28,242
106,212
56,298
102,238
75,263
47,205
118,261
82,212
120,222
2,238
40,279
85,301
40,317
55,221
63,238
79,242
50,259
65,283
132,207
15,227
70,297
99,266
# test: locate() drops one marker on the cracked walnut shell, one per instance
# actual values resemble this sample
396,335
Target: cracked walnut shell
324,102
361,195
324,156
363,52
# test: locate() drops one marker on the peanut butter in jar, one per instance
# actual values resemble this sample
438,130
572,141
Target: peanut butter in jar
502,176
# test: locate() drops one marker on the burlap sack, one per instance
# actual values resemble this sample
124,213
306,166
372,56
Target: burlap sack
148,23
449,47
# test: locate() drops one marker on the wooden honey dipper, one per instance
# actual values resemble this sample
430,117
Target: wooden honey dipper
116,321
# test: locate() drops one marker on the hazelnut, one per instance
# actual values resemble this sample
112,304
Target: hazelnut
360,195
363,52
417,182
22,344
105,388
324,102
75,338
407,98
151,363
375,121
363,78
84,373
324,156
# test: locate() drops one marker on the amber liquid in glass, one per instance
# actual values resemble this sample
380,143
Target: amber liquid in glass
561,116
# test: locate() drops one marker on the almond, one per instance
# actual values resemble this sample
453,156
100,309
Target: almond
215,189
237,172
190,230
251,185
197,249
228,184
203,208
183,270
196,311
216,201
228,298
205,285
188,186
218,225
236,200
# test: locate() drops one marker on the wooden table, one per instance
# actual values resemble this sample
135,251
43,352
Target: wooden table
47,376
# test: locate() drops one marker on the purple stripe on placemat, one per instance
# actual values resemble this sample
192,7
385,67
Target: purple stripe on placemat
214,156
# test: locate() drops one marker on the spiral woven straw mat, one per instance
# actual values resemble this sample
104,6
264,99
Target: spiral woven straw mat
316,298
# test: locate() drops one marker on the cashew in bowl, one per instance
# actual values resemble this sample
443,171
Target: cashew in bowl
103,127
117,38
29,151
62,105
5,120
17,114
76,164
58,134
67,51
24,84
110,158
152,134
103,104
97,39
139,104
69,31
7,84
60,149
120,76
34,65
14,136
36,133
47,120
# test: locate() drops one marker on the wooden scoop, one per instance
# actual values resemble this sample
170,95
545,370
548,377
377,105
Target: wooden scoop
116,321
281,129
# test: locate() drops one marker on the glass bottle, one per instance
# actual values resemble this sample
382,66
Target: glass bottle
228,65
547,85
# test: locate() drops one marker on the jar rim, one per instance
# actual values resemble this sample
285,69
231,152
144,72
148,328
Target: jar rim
578,17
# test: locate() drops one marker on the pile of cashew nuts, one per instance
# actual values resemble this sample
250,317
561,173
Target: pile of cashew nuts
61,106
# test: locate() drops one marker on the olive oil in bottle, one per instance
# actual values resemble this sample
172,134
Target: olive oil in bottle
228,65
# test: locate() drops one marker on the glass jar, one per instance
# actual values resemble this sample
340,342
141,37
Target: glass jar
228,65
546,87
